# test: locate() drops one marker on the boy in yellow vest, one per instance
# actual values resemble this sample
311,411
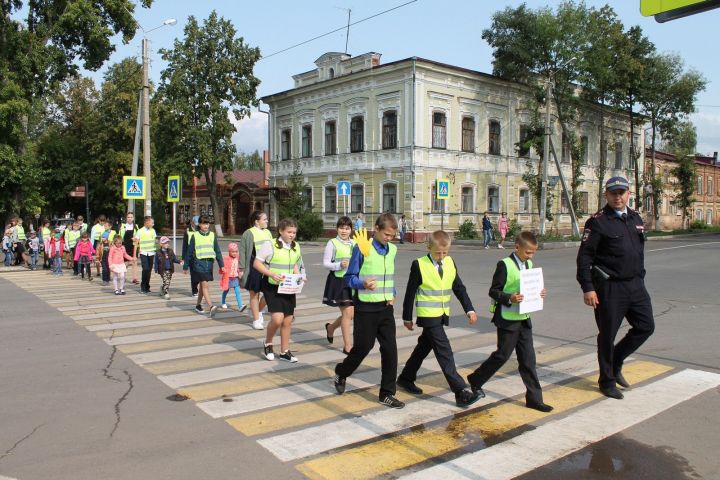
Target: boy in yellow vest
146,246
371,275
433,279
514,330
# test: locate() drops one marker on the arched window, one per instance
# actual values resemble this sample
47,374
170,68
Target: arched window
357,134
331,72
494,137
389,130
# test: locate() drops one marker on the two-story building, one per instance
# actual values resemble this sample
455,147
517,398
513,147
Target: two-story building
393,129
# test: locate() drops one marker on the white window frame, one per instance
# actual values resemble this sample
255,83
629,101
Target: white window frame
473,197
324,197
383,209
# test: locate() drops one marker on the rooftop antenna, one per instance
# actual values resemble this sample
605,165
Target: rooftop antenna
347,29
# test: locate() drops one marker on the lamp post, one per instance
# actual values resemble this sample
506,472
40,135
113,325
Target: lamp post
549,84
144,118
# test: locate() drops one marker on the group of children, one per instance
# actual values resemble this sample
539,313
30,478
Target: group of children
360,283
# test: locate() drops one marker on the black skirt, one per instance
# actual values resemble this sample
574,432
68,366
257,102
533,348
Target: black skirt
336,294
277,302
254,279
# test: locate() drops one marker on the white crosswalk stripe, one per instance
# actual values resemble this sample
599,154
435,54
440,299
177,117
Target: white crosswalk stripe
217,363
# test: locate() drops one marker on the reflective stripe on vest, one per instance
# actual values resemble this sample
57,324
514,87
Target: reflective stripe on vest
382,268
204,245
260,237
343,251
20,232
283,261
71,238
433,296
147,240
96,232
512,285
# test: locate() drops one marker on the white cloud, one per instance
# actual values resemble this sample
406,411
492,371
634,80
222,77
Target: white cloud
708,131
251,133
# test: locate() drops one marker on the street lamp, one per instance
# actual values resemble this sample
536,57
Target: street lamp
144,118
549,84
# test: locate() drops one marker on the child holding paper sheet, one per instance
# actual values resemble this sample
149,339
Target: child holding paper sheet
514,329
274,261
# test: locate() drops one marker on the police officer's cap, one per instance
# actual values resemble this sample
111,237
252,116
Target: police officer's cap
617,183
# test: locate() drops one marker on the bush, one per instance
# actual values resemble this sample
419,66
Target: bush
698,225
310,225
467,231
514,229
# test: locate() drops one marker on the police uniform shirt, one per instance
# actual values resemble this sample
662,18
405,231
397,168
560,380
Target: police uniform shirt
615,244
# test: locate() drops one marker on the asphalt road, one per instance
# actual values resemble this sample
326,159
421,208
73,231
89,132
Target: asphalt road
72,407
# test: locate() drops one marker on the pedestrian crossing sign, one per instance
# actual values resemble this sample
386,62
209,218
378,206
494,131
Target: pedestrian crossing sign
173,188
442,189
133,188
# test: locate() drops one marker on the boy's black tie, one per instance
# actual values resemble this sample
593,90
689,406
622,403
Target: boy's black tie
440,270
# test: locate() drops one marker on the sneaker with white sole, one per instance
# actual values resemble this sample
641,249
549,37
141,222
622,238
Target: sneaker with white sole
258,324
243,308
199,309
224,306
268,352
166,296
391,401
288,356
213,310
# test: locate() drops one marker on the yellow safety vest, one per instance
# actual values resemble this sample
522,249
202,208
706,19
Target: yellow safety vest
260,237
343,251
96,232
111,236
20,232
71,237
204,245
512,285
432,298
147,240
46,233
283,261
382,268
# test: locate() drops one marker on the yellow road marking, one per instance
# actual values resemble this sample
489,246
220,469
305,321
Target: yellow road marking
301,375
305,413
403,451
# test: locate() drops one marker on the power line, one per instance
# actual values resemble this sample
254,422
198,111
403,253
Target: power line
337,30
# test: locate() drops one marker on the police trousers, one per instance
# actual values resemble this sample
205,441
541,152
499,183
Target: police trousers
621,299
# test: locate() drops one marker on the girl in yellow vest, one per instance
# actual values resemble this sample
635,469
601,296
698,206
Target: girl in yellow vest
274,261
252,240
46,234
337,294
202,248
514,329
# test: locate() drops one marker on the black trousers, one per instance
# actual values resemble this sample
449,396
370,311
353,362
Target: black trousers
105,267
368,326
621,299
193,283
521,341
76,270
434,339
147,263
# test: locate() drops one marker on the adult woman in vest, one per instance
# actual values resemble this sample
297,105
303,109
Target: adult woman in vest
19,239
189,232
251,242
337,294
202,249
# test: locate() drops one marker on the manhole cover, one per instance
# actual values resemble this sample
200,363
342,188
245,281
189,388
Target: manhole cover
177,398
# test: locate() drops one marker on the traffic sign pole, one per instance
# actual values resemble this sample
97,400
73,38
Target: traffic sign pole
174,227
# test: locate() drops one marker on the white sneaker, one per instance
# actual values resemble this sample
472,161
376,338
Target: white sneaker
224,306
258,324
486,247
500,246
166,296
264,310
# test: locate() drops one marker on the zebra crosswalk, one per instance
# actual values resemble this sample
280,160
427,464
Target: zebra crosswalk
292,410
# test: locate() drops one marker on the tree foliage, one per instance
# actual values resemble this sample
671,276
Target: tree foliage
208,77
292,204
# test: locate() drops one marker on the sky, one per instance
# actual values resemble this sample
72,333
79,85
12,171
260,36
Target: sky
447,31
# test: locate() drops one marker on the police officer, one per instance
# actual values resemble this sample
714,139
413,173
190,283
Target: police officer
611,272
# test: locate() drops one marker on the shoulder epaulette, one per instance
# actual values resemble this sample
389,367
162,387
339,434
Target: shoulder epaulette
599,213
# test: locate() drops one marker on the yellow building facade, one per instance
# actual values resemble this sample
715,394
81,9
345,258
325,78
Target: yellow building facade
393,129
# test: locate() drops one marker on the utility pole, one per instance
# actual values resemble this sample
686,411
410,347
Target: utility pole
136,149
546,154
146,127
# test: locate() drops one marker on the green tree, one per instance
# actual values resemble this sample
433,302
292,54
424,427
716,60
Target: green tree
292,204
252,161
41,45
209,74
684,172
667,100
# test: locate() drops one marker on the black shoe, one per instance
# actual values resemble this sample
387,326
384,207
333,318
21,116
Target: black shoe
409,386
339,384
467,397
542,407
268,352
327,334
620,380
346,352
391,401
199,309
612,392
288,356
475,388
